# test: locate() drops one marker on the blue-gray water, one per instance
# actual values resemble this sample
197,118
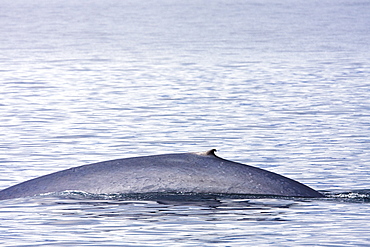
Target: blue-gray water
281,85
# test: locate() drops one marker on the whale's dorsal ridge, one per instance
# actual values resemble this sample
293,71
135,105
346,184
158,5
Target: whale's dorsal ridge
208,153
204,172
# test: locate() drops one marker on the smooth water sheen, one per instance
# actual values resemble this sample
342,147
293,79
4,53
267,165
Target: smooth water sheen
281,85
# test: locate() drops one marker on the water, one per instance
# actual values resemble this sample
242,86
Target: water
279,85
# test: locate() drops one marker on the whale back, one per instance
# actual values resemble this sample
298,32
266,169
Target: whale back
179,173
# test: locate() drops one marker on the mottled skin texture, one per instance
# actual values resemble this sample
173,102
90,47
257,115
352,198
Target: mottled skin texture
187,172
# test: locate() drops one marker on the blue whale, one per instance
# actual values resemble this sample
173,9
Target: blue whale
169,173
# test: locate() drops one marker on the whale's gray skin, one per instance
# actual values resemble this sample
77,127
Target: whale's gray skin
184,172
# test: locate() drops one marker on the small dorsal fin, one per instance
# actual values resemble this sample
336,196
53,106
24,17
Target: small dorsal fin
209,152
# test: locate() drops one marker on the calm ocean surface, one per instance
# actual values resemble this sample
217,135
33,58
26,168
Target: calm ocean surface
281,85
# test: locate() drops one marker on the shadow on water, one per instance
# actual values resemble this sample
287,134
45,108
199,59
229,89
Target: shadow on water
173,198
172,206
355,196
165,207
200,199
